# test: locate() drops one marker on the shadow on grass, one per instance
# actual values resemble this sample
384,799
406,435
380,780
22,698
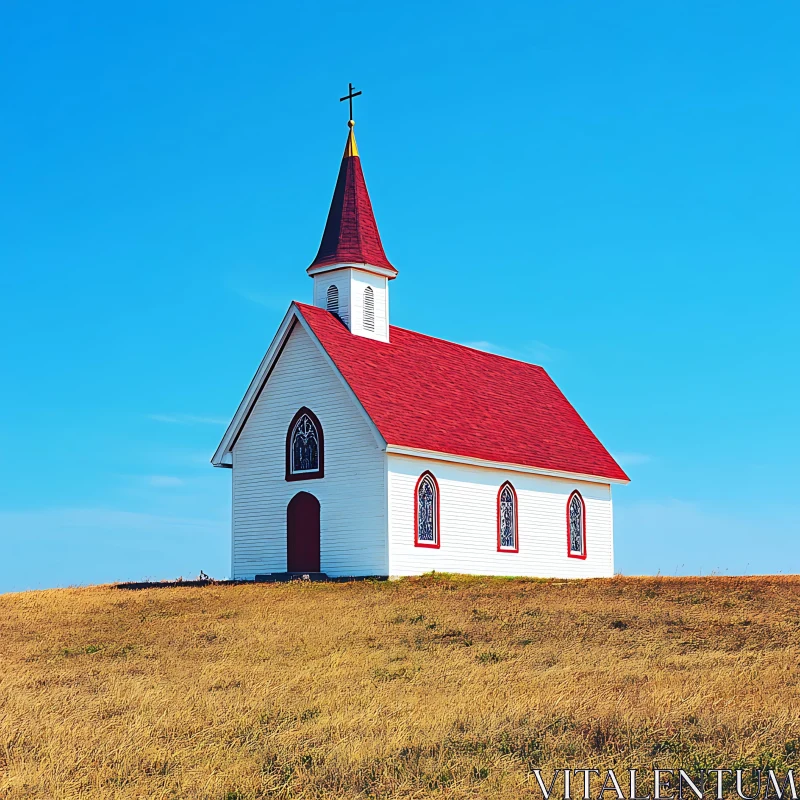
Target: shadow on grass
139,585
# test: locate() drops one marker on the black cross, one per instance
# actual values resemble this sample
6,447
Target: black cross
349,96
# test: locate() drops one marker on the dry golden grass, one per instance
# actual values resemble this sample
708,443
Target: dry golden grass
442,685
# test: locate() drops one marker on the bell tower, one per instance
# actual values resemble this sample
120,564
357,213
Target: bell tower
351,272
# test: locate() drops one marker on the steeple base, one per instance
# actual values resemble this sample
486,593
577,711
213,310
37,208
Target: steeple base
360,298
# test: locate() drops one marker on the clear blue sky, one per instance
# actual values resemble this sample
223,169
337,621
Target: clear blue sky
609,189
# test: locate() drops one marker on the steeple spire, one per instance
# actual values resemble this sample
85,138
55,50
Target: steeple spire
351,233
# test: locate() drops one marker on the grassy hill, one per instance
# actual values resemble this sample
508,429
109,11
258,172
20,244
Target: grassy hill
441,685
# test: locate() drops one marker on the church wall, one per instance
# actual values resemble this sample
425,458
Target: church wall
468,523
352,494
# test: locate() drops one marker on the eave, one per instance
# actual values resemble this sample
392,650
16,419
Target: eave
433,455
317,269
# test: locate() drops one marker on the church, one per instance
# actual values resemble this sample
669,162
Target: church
364,449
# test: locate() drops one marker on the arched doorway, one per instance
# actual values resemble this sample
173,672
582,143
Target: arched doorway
302,533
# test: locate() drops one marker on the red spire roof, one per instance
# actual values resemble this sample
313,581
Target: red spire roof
351,233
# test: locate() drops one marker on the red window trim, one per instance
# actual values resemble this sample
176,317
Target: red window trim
515,549
417,542
570,554
317,473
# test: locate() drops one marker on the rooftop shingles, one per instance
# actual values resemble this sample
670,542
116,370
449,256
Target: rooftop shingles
351,233
430,394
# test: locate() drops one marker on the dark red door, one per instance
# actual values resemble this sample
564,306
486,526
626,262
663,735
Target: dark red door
302,533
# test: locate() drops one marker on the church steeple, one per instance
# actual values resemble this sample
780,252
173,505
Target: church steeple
351,270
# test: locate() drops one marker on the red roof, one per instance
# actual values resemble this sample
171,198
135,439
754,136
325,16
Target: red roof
351,233
430,394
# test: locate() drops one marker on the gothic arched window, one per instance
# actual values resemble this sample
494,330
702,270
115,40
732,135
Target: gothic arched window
305,447
426,511
576,526
507,541
333,299
369,309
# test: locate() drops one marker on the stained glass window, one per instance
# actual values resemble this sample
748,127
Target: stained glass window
305,446
508,519
427,523
576,525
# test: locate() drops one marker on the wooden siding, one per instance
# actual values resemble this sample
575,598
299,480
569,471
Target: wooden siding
352,494
468,523
351,283
380,286
340,278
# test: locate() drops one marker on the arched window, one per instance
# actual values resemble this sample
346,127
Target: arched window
507,541
426,511
305,447
576,526
369,309
333,299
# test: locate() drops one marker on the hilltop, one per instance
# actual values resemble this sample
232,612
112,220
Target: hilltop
439,685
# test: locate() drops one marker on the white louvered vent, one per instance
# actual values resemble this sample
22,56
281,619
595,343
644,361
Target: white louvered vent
369,309
333,300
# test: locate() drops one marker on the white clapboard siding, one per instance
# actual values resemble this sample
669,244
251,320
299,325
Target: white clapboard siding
468,523
352,494
340,278
351,283
380,292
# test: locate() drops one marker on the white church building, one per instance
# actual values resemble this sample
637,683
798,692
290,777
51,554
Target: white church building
363,449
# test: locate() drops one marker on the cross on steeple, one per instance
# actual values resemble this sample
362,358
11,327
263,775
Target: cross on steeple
349,96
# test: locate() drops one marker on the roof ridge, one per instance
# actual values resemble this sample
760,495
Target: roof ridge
468,347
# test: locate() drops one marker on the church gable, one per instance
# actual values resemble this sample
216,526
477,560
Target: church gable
338,461
223,457
300,378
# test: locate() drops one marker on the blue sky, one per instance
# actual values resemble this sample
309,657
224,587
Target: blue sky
611,190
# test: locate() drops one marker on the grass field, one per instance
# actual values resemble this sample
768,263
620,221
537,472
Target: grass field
446,686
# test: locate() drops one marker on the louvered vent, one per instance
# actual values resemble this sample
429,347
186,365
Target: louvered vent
333,300
369,309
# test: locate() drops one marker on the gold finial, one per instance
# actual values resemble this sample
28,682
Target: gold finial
351,148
